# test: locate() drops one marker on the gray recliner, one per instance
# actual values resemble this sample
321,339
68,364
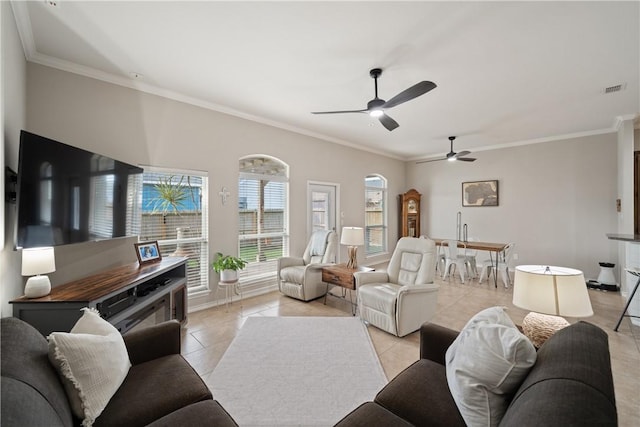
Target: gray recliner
402,298
301,277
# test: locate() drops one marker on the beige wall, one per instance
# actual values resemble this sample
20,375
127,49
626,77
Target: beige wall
145,129
13,98
556,200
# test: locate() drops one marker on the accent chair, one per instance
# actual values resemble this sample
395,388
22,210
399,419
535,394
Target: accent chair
301,277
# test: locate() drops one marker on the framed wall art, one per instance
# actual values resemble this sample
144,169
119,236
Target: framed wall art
480,193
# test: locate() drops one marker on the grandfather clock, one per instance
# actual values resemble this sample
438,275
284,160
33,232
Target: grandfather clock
410,214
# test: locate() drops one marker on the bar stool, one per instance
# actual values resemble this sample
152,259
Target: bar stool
635,288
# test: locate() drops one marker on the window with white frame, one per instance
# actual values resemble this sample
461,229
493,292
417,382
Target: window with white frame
174,212
263,234
375,215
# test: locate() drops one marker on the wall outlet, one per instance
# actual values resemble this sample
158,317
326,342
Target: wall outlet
515,257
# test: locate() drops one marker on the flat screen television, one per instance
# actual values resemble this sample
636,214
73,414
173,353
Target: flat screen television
68,195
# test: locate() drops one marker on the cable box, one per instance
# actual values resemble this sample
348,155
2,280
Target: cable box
116,304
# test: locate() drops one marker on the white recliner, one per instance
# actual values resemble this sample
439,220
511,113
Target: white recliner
402,298
301,278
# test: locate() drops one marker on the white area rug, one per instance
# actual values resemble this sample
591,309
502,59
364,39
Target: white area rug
297,371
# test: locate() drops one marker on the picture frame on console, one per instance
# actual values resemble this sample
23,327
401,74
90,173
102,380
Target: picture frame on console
148,252
480,193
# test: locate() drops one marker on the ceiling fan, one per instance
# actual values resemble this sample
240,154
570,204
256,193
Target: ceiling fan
376,107
452,155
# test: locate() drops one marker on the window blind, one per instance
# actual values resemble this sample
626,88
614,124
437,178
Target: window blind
174,212
320,214
375,215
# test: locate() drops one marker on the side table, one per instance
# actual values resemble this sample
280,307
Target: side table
229,288
341,275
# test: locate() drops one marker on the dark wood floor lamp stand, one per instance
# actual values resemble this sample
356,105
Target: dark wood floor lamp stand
626,307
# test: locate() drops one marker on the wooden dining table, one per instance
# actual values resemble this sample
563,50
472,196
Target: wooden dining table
480,246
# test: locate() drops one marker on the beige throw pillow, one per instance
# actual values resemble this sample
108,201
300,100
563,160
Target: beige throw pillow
92,361
486,364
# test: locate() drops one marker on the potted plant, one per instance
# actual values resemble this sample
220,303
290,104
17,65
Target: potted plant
227,266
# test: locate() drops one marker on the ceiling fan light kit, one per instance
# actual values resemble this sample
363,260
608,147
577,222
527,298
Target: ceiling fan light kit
376,107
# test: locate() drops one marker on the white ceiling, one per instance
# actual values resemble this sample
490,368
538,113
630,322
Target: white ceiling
507,72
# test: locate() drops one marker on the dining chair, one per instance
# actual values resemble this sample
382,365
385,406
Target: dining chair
504,260
454,258
440,255
470,256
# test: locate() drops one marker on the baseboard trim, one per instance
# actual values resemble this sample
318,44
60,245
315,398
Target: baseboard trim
246,293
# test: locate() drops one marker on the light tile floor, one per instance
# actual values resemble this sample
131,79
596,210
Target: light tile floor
209,332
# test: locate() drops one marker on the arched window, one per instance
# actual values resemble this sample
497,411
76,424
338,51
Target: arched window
375,197
263,218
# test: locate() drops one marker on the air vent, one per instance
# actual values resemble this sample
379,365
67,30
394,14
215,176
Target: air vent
615,88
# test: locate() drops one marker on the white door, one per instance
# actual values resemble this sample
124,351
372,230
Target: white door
322,206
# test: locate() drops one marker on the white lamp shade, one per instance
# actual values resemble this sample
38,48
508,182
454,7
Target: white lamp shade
558,291
352,236
38,261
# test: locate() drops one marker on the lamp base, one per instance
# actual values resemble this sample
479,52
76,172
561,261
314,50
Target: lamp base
37,286
353,259
540,327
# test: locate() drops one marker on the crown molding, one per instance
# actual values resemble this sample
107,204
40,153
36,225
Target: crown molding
23,22
70,67
617,122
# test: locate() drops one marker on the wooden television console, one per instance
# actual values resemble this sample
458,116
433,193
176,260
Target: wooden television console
124,296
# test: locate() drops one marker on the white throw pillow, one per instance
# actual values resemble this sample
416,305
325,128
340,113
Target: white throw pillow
92,361
486,364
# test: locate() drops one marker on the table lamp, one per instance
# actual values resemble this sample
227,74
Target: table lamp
352,237
35,263
549,292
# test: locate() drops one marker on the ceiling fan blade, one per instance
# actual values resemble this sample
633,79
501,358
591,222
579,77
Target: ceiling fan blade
339,112
466,159
462,154
388,122
408,94
427,161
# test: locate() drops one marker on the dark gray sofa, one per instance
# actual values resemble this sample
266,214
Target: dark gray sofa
569,385
161,388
